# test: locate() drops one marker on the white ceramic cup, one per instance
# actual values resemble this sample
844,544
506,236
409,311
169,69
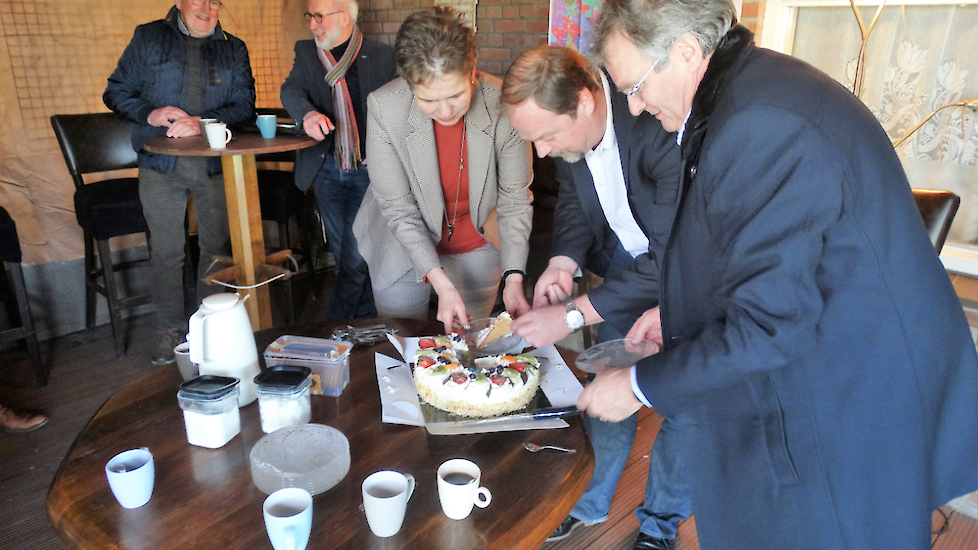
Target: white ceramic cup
188,369
202,123
288,518
458,488
385,497
218,135
131,475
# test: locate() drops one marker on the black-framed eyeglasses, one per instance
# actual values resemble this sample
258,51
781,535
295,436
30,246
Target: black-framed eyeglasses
319,16
215,5
635,88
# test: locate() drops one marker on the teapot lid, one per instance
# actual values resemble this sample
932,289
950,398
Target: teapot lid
220,301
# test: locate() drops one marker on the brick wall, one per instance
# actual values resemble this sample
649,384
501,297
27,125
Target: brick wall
504,28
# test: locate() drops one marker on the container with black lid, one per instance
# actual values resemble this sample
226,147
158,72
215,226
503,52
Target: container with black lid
210,410
283,397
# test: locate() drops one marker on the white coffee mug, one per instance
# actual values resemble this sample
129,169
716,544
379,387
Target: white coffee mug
385,497
188,369
131,476
288,518
202,124
458,488
218,135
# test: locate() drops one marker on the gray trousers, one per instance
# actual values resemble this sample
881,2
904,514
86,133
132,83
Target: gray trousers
475,275
164,201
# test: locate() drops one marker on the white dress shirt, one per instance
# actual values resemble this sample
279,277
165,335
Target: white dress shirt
604,162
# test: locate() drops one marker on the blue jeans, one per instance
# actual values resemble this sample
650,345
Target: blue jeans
338,194
667,496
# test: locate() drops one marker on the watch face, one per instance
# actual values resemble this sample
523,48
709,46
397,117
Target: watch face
574,319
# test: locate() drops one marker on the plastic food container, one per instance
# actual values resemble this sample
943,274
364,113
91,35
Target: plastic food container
210,410
313,457
283,397
329,360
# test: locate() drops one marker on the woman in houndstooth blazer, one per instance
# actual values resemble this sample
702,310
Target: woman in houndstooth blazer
449,203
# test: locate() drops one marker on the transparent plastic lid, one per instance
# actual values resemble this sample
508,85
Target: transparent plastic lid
311,349
207,387
285,379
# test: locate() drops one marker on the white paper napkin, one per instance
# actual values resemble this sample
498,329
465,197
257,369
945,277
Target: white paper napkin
398,398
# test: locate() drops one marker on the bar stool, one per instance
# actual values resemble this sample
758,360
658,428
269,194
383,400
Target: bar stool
93,143
10,255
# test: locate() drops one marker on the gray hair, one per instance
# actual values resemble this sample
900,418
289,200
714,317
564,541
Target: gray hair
654,25
351,8
433,44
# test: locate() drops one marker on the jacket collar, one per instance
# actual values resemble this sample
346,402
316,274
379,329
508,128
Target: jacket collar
725,62
172,20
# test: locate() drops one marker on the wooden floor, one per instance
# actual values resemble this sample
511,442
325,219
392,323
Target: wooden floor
83,372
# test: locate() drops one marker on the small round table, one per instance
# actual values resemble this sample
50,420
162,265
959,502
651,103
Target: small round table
244,208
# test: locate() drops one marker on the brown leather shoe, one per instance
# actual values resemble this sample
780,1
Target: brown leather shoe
12,420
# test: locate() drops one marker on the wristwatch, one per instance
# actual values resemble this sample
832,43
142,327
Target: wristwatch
573,317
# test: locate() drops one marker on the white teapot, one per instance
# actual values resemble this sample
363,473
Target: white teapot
222,342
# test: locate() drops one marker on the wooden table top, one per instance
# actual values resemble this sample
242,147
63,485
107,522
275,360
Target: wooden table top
242,143
205,498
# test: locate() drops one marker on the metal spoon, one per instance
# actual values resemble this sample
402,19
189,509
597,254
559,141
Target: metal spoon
533,447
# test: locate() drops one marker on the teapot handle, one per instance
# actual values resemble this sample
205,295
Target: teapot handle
196,337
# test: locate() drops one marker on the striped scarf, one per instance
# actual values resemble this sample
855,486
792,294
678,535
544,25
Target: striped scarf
347,150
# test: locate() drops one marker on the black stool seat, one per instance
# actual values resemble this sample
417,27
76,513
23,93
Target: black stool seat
110,208
10,255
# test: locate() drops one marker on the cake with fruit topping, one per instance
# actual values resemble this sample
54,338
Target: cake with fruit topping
447,378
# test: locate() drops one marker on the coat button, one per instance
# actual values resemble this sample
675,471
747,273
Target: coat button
692,170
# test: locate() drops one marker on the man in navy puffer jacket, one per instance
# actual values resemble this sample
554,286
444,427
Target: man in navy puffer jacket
174,72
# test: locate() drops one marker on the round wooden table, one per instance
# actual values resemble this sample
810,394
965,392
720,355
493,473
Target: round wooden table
205,498
244,207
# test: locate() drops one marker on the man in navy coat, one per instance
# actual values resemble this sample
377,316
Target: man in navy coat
817,359
614,222
327,93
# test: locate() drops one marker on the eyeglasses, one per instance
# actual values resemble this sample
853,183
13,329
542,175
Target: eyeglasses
319,16
215,5
635,88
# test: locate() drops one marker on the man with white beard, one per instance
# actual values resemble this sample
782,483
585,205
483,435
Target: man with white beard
326,92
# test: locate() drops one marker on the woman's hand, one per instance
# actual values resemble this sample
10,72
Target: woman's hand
451,308
513,296
648,327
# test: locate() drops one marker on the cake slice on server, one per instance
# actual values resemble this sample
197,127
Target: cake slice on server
501,326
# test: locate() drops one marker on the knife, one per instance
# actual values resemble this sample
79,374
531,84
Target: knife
548,412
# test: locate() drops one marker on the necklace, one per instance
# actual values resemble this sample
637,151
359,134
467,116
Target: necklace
458,185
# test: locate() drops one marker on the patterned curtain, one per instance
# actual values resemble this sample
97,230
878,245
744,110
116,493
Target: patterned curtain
918,58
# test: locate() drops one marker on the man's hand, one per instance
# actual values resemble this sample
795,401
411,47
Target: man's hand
166,116
542,326
317,125
451,307
556,283
609,397
648,327
178,122
513,296
184,127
